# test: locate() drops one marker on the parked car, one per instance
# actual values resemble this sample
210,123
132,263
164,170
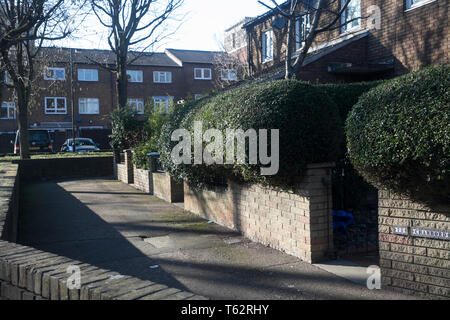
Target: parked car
39,141
81,145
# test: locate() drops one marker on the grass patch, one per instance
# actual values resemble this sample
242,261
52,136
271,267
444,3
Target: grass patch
60,155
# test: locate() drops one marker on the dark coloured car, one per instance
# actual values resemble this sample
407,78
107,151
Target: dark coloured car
39,141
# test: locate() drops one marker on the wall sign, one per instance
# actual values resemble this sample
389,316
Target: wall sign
422,233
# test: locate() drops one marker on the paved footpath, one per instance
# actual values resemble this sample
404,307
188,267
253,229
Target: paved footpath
111,225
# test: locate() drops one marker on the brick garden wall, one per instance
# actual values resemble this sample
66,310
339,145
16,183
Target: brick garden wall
164,187
143,180
410,264
297,223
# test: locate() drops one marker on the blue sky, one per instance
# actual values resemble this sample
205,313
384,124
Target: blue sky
202,27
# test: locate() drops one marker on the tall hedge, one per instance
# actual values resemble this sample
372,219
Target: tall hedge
309,124
346,95
398,135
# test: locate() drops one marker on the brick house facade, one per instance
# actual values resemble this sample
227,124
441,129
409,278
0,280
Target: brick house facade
410,36
90,90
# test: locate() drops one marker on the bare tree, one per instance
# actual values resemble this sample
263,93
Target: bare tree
131,23
325,15
24,26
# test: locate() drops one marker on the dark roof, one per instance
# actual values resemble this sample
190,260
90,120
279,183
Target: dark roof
195,56
106,57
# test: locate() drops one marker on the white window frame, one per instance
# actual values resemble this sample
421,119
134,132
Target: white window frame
302,27
7,79
412,4
203,77
86,101
167,99
267,36
138,79
136,102
162,77
92,72
46,77
55,99
8,106
344,18
228,73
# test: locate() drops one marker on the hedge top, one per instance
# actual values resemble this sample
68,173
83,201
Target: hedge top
398,135
309,126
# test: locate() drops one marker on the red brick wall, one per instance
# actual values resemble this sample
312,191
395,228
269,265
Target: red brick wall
413,38
413,265
298,223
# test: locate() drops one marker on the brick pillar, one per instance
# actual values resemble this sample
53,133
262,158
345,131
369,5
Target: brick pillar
129,166
319,189
116,160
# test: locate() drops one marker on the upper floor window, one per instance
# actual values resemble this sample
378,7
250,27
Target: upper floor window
416,3
55,74
302,27
202,74
162,103
228,75
350,19
55,105
162,77
8,110
88,106
87,75
267,46
137,105
135,75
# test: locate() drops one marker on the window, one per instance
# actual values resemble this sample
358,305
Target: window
228,75
302,27
162,103
162,77
55,105
87,75
135,75
352,11
137,105
267,46
88,106
55,74
416,3
8,110
202,74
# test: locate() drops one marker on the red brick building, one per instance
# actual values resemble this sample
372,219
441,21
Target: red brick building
72,90
409,35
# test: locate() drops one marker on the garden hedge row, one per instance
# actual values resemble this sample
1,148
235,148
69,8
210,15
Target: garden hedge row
308,120
398,135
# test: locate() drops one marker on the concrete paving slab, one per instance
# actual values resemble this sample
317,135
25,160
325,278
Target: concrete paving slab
347,270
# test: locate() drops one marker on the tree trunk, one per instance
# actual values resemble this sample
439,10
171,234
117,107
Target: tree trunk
122,81
22,113
290,35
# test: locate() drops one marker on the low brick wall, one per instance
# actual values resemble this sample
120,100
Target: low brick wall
125,171
9,201
142,180
414,261
166,188
65,168
30,274
297,223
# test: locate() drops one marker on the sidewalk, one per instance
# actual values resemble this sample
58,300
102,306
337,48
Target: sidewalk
111,225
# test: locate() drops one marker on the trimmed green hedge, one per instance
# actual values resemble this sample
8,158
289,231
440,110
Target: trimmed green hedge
308,120
398,135
346,95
